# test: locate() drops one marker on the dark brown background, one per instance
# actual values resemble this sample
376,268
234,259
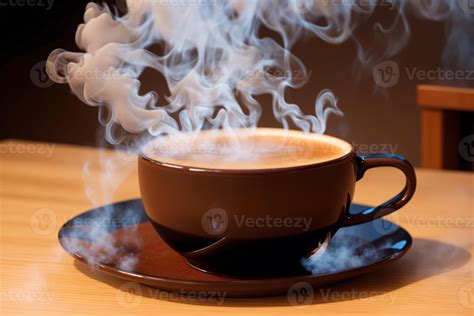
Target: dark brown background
377,117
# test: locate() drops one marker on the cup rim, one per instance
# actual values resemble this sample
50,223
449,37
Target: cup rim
193,169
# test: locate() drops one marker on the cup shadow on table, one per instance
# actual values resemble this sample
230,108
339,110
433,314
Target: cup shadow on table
426,258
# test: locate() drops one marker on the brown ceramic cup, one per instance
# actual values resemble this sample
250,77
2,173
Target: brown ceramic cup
255,221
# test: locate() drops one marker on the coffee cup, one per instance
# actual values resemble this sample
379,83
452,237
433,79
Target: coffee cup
249,202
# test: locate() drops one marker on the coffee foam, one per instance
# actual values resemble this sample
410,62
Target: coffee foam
261,148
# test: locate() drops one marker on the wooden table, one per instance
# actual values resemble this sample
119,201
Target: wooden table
43,185
442,108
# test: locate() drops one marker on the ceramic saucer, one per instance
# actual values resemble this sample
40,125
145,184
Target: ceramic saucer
119,240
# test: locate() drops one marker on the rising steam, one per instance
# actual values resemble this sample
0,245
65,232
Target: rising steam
215,63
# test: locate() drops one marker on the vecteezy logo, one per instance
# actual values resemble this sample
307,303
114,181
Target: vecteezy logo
300,294
300,150
386,74
215,221
466,148
38,75
129,295
467,6
385,225
43,221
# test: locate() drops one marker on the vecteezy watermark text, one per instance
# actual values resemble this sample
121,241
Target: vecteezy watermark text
33,296
364,149
439,74
328,295
216,221
129,295
302,294
434,221
27,3
269,221
387,74
45,221
45,150
429,222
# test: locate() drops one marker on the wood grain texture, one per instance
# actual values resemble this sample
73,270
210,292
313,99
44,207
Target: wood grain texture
441,110
432,138
41,187
445,98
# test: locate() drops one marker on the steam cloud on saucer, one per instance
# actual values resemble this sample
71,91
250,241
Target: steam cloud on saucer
215,61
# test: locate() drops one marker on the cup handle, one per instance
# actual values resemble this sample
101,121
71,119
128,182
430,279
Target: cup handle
366,162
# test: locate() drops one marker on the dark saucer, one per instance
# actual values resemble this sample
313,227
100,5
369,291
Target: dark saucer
119,240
